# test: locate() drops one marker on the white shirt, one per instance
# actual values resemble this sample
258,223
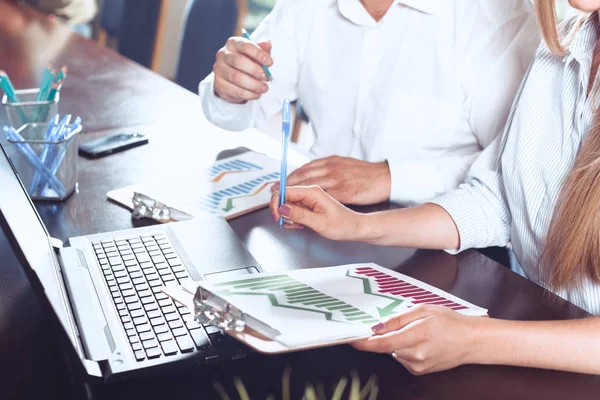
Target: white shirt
426,88
516,201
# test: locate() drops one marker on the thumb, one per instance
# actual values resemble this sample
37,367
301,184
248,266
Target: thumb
299,215
266,45
400,321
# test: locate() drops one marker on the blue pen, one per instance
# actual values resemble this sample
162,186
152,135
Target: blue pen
285,130
28,152
264,67
49,132
49,149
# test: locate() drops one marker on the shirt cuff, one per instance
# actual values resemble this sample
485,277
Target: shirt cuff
217,110
456,203
413,182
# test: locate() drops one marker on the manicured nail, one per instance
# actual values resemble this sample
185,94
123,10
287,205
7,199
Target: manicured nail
275,219
285,210
299,226
377,327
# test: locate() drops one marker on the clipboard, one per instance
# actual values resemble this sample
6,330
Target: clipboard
268,336
229,188
259,342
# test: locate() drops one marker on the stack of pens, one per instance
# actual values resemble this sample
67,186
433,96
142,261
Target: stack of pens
42,150
33,105
51,83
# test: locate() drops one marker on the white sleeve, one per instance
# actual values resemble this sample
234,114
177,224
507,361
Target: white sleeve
280,27
500,39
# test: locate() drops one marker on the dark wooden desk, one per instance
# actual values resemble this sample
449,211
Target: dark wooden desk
110,94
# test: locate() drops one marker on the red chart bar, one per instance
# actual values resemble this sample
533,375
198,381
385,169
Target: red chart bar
398,287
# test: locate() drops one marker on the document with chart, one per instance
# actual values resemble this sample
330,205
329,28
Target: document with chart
229,188
323,306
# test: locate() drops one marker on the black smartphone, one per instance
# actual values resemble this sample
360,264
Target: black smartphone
112,144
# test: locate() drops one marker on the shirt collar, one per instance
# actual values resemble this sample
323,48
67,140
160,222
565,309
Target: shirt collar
426,6
582,46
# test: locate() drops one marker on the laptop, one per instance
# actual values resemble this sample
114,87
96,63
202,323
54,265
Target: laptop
105,290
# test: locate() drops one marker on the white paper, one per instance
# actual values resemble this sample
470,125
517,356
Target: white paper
321,305
229,188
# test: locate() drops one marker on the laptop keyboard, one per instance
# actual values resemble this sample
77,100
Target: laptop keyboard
135,270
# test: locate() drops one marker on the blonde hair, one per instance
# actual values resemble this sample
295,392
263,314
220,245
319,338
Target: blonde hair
572,250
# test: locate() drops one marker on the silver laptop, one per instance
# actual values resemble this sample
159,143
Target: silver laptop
105,289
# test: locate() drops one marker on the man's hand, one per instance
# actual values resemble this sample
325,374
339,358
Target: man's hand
347,180
239,76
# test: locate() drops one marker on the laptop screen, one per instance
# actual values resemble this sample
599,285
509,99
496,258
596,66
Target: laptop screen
31,243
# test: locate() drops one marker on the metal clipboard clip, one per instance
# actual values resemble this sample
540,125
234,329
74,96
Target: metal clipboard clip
212,309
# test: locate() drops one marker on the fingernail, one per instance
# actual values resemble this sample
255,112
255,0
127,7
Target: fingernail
299,226
377,327
285,210
264,88
263,77
275,219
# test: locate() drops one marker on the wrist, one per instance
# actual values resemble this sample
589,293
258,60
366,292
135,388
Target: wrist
227,98
366,229
482,345
384,180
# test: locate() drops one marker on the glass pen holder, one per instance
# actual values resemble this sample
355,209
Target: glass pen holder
28,109
48,169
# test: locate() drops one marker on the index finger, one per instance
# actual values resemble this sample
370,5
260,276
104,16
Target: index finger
387,343
253,51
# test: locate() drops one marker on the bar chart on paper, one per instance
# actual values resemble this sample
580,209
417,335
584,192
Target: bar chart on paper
331,303
229,187
239,184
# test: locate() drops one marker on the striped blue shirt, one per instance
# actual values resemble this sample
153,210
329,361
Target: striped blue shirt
515,202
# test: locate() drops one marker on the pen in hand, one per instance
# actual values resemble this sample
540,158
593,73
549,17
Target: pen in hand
267,72
285,130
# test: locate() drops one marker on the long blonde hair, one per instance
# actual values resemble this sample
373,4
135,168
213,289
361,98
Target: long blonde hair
572,250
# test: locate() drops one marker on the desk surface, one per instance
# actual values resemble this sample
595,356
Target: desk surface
111,93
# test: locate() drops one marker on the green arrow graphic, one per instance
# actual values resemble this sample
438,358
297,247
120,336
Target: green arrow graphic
229,205
275,303
387,310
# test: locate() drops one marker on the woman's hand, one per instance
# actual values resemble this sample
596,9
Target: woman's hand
312,207
427,339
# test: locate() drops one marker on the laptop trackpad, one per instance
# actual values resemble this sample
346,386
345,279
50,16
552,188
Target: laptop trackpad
211,246
232,274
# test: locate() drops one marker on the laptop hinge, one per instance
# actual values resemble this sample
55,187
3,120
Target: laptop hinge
92,368
57,244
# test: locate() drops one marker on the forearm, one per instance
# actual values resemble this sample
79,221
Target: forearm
427,226
570,345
